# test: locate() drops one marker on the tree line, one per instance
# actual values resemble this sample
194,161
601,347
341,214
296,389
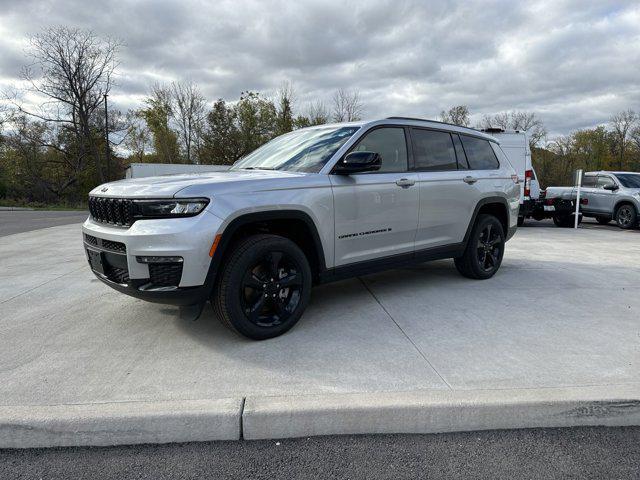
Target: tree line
60,148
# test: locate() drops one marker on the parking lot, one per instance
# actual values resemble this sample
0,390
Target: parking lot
562,313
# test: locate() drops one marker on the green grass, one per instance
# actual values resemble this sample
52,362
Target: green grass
42,205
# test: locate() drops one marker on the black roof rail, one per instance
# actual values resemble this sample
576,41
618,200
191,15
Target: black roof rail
433,121
493,130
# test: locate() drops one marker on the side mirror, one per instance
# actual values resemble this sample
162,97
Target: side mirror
358,162
611,188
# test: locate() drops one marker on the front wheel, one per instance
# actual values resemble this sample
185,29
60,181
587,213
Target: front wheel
483,254
626,217
264,287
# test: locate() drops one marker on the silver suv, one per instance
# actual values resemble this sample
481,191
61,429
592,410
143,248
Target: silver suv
612,195
314,205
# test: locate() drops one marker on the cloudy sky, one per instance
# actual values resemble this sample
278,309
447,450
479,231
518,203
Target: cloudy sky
572,62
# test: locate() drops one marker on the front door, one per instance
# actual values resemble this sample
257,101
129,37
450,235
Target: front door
601,200
376,213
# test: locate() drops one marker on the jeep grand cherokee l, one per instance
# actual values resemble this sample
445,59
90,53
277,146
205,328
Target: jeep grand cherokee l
314,205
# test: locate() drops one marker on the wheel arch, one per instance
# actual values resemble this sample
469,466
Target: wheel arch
496,206
620,203
295,225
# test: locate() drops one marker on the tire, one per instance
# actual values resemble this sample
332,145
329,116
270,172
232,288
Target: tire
626,216
251,280
520,221
603,220
484,251
565,221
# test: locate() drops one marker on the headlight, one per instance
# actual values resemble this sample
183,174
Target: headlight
179,207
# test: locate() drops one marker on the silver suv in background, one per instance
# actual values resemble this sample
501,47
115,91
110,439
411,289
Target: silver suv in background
311,206
606,196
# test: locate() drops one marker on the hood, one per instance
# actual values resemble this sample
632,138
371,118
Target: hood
167,186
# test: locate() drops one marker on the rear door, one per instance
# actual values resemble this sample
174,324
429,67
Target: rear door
588,192
448,194
376,213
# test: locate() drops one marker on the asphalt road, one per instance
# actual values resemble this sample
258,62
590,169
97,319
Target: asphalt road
544,453
18,221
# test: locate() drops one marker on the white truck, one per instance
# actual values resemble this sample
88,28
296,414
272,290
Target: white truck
515,145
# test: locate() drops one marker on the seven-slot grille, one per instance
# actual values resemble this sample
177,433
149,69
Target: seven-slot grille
165,274
116,211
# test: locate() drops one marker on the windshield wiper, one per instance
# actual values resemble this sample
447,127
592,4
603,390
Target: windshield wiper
258,168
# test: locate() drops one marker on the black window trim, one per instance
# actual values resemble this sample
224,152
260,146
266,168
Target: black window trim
414,168
492,151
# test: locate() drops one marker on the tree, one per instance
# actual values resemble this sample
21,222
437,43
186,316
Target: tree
517,120
138,139
157,115
458,115
221,140
188,112
72,70
285,100
347,106
623,123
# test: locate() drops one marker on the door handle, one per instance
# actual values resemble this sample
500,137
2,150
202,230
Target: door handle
405,182
469,179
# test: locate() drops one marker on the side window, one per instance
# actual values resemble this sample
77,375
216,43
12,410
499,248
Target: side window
479,153
390,144
588,181
432,150
605,181
461,156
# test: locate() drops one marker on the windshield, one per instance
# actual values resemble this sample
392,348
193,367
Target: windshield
629,180
299,151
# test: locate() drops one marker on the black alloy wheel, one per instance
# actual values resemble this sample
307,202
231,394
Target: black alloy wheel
490,248
264,286
271,289
483,254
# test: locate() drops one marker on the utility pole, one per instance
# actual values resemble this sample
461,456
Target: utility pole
106,138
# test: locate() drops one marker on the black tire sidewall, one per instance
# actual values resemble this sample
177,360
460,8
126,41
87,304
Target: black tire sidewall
238,268
483,221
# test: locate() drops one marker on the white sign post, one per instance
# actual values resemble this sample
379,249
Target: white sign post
579,184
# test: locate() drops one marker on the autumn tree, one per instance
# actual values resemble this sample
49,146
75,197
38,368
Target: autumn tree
157,115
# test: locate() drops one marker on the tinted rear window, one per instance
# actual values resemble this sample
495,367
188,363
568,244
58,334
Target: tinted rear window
479,153
433,150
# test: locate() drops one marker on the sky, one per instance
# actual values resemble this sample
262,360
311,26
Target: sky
573,63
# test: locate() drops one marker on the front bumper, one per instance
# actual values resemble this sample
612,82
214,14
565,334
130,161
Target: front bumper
183,283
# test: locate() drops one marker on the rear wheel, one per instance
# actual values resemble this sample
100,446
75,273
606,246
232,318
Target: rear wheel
566,221
483,254
264,288
626,216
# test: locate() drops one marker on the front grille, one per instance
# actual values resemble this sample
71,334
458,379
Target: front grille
114,246
114,211
111,245
117,275
91,239
165,274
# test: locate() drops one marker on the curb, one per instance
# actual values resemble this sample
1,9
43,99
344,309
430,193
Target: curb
10,209
259,418
433,411
123,423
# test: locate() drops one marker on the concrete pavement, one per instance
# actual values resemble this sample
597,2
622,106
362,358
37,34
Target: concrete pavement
560,316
